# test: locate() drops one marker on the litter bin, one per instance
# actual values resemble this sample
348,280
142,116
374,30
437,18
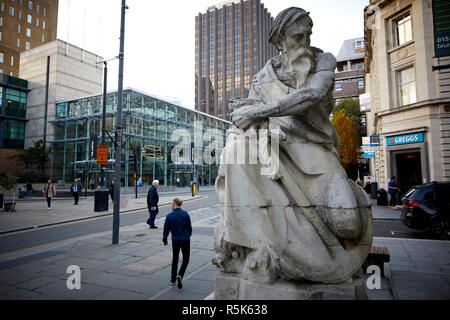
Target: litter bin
373,190
101,200
1,200
382,197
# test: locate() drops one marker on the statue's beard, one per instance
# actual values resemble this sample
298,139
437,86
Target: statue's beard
298,64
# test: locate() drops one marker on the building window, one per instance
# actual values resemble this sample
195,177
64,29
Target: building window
45,12
11,11
406,86
1,21
403,30
18,43
2,56
37,22
20,14
360,83
43,38
38,8
27,45
12,61
29,18
30,5
28,32
360,44
338,86
3,7
19,28
0,36
43,25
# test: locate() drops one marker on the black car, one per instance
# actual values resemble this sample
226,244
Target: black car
427,207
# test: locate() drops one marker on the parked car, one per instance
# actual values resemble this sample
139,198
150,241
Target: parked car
427,207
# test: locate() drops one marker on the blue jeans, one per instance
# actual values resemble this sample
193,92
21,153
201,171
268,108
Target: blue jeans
29,193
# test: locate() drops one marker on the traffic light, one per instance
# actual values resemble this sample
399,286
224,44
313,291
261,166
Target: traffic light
132,159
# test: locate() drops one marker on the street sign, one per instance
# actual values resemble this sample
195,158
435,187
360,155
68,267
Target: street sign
93,146
405,139
102,155
375,140
365,141
369,152
441,13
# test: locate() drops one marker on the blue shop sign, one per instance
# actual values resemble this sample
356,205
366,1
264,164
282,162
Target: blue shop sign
406,139
375,140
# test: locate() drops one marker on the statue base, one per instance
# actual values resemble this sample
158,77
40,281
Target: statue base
233,287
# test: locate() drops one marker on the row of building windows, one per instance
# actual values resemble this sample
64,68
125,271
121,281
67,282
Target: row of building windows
30,7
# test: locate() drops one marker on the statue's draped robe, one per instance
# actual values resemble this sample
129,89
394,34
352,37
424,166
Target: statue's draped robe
312,220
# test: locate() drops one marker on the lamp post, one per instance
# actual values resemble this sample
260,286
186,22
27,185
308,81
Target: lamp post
118,131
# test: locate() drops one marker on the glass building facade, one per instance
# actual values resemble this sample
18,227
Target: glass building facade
231,46
13,111
158,132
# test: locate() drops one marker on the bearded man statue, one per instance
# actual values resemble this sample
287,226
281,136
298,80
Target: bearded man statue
306,221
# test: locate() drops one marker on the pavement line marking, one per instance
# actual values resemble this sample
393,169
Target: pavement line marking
156,296
108,215
53,244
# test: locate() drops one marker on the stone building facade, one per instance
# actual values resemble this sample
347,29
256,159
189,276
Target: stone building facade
409,100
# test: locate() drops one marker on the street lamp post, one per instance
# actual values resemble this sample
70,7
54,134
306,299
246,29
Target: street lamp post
105,79
118,131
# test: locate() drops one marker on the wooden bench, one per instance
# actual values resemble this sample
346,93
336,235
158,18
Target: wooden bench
377,256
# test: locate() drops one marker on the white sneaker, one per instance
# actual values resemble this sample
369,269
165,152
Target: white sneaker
48,208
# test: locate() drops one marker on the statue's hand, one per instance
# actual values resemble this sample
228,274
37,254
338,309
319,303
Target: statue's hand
238,103
242,120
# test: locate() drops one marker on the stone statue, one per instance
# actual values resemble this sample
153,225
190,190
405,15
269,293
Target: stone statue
305,222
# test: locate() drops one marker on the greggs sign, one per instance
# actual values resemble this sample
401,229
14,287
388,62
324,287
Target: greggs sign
406,139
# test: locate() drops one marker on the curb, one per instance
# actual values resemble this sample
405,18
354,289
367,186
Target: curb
84,218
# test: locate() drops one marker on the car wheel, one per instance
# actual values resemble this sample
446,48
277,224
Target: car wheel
440,230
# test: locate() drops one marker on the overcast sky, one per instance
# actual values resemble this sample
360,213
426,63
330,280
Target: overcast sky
160,36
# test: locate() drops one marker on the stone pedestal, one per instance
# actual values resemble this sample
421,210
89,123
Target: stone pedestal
232,287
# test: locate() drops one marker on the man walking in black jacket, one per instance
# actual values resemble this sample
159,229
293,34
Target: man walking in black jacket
76,191
179,223
152,203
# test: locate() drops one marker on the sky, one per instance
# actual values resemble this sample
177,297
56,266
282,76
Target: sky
160,37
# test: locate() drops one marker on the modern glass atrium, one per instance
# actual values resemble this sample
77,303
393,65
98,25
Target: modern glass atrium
157,131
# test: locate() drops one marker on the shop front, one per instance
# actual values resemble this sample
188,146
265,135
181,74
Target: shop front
407,159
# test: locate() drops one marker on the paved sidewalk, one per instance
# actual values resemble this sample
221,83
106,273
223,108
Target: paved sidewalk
139,267
35,213
385,212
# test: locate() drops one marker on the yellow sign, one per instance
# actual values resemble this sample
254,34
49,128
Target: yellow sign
102,155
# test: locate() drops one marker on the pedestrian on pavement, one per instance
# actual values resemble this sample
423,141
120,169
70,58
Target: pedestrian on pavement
29,187
152,203
92,182
139,182
49,192
178,223
111,190
76,190
178,182
393,189
367,186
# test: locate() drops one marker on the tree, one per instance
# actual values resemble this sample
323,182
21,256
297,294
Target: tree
9,182
350,106
347,129
35,156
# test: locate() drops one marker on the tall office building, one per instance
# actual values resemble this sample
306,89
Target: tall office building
231,46
24,25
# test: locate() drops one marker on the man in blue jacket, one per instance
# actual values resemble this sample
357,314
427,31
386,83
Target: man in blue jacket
179,223
152,203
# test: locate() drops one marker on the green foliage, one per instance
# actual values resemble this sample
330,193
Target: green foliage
34,157
31,176
350,106
8,182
